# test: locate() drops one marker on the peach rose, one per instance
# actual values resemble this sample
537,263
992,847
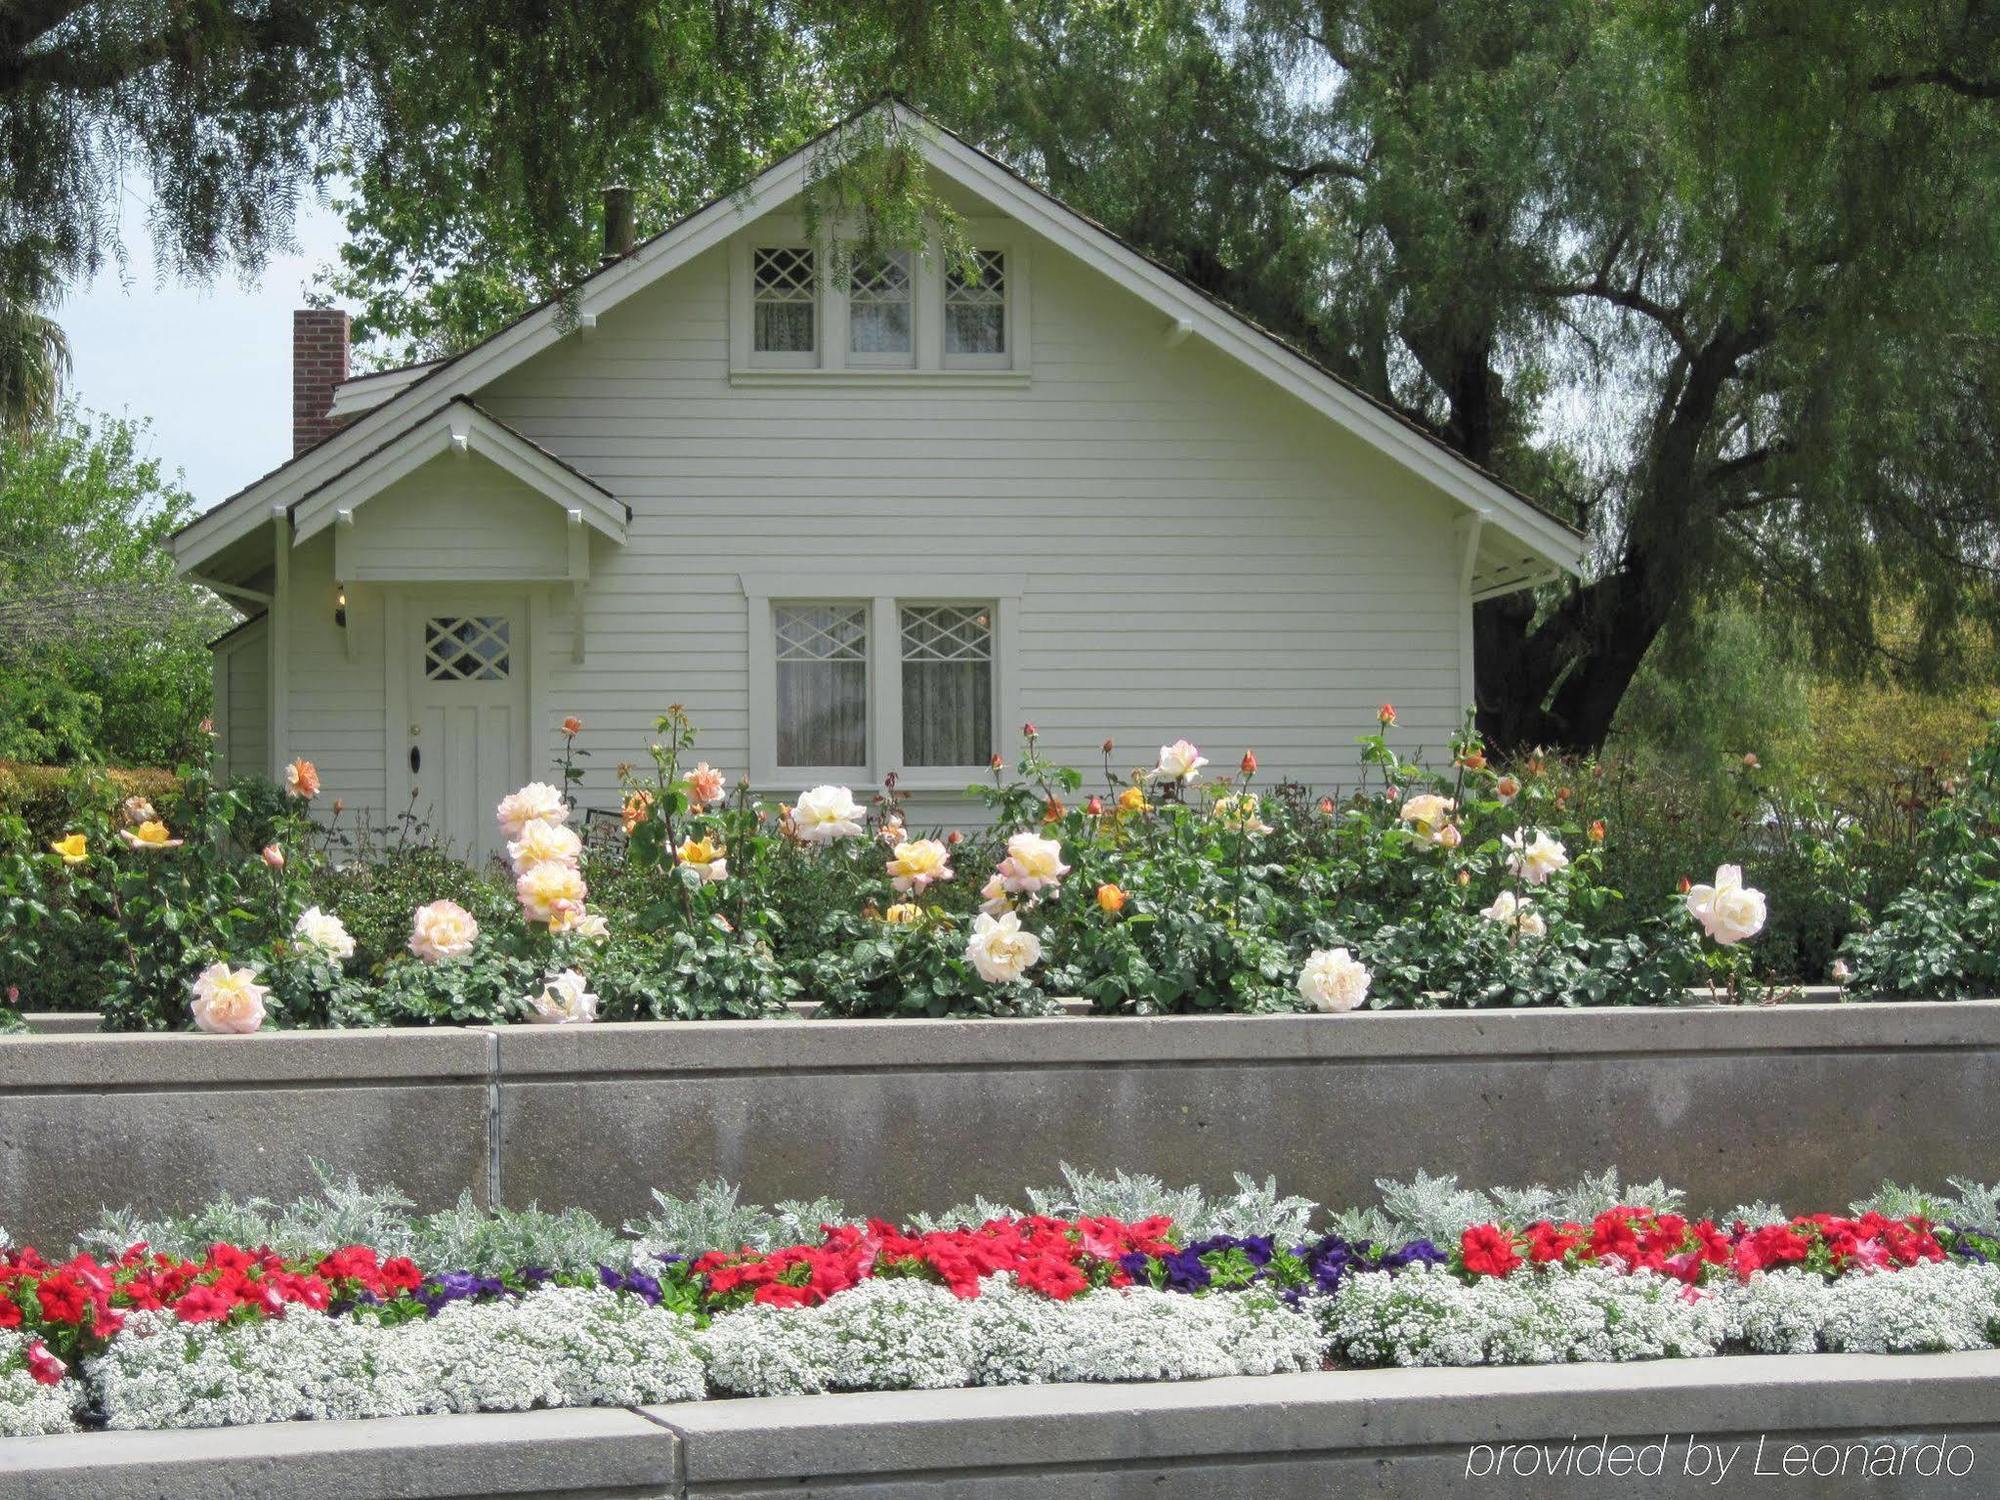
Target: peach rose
442,930
542,888
228,1001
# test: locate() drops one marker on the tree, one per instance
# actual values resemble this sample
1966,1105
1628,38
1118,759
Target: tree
103,650
34,363
231,108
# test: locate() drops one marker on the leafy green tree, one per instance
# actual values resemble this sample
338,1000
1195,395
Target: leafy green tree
103,650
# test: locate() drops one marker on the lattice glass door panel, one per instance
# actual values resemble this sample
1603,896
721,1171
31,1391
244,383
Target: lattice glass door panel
467,648
947,684
975,310
822,708
784,299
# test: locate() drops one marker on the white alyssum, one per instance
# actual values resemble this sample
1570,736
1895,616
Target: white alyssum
1426,1316
897,1334
1928,1308
559,1346
27,1407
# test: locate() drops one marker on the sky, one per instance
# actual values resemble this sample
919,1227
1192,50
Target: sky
211,367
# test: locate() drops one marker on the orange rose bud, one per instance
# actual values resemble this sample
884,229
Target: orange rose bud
1386,714
1028,730
1052,812
1597,831
997,761
1095,807
1110,899
1750,761
1249,763
1686,885
1108,746
954,838
572,726
1472,760
1465,877
1326,806
274,856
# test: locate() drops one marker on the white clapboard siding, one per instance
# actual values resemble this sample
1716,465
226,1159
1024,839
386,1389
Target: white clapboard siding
243,700
459,517
1199,554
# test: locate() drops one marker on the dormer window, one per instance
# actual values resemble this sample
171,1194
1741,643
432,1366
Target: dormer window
784,299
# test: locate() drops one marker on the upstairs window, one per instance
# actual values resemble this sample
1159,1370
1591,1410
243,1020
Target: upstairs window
784,297
822,677
878,309
975,310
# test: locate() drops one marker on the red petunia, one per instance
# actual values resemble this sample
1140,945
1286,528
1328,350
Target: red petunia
44,1366
204,1304
63,1298
10,1314
1488,1250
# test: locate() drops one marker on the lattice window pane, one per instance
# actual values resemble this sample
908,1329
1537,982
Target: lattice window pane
466,648
822,708
975,307
878,306
947,684
783,295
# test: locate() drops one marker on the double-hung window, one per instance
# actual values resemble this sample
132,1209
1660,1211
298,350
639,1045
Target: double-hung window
879,327
852,688
784,305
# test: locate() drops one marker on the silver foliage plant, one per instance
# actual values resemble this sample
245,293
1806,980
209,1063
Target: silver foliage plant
714,1218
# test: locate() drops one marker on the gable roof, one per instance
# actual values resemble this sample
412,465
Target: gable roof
461,425
1536,544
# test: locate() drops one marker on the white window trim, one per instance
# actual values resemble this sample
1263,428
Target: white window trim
885,593
927,364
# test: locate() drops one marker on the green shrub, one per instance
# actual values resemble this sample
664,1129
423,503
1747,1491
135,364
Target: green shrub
1940,938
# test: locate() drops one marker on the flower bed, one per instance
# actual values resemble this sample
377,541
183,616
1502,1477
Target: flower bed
1173,889
537,1310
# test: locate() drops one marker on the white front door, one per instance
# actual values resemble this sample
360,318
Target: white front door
467,675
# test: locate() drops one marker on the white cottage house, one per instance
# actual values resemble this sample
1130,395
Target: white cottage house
854,525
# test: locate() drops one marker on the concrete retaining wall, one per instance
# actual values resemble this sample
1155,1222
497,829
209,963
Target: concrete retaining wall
1657,1429
1810,1105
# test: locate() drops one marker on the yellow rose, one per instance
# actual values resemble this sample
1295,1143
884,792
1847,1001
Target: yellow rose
149,835
1131,800
704,857
74,848
904,914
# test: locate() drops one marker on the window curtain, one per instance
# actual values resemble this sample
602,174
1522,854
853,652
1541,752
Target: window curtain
947,713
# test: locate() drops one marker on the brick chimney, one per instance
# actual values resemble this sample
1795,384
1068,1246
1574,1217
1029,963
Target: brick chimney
319,363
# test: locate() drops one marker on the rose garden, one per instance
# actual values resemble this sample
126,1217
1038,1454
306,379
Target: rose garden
1178,894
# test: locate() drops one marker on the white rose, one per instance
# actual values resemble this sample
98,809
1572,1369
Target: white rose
535,800
563,1001
442,930
1179,761
1534,859
1516,912
1333,980
827,813
1000,950
228,1001
324,933
544,843
1729,911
